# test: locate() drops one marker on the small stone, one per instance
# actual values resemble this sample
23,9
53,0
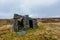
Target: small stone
21,32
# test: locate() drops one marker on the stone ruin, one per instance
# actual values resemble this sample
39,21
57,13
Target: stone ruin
23,22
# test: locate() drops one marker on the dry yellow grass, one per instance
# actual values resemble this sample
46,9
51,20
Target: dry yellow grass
5,27
44,31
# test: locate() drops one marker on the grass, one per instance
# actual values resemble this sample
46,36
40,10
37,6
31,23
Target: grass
43,32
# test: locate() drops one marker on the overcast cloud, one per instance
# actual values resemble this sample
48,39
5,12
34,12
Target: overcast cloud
34,8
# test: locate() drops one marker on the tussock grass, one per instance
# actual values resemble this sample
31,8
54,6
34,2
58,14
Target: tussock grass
43,32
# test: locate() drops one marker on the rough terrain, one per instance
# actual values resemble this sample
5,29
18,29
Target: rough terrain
45,31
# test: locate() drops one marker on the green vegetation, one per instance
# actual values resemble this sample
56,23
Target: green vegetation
43,32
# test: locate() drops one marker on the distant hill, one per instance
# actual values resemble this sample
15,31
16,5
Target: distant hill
44,20
54,20
6,21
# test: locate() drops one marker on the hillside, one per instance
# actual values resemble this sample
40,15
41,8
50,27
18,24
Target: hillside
47,30
48,20
44,20
44,31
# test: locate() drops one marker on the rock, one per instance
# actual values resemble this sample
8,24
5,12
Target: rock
21,32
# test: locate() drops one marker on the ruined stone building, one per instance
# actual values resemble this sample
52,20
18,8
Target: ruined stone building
24,22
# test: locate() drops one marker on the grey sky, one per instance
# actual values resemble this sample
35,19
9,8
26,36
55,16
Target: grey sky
34,8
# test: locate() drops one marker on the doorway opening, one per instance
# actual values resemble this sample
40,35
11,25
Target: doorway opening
31,23
20,24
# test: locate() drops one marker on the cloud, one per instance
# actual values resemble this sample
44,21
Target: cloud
51,11
30,7
26,5
6,16
9,7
